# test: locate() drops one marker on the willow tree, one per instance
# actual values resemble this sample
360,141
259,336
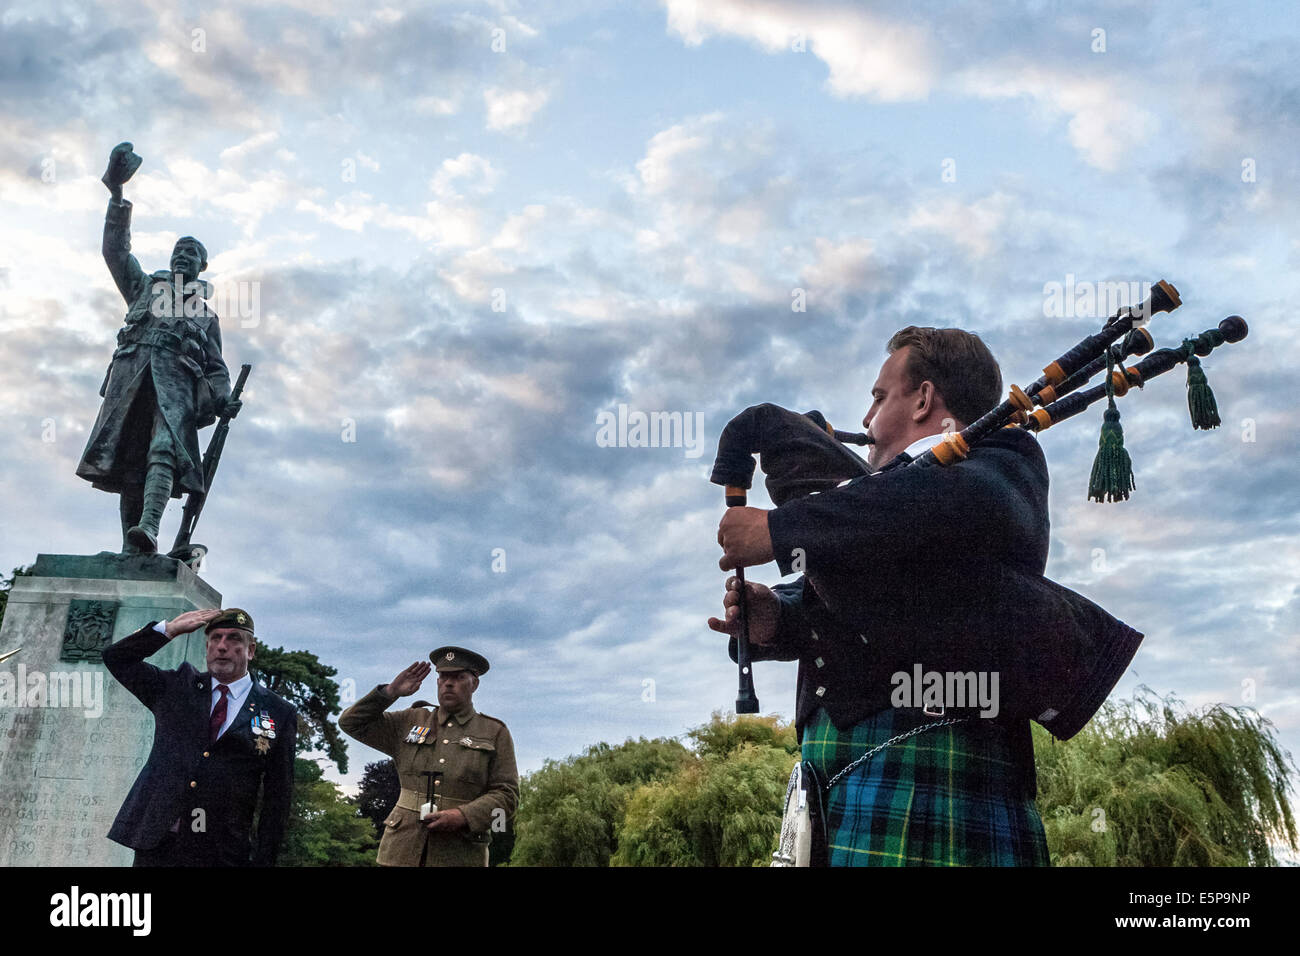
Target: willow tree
1148,783
571,810
722,807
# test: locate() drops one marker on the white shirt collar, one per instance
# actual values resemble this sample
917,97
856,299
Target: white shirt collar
238,688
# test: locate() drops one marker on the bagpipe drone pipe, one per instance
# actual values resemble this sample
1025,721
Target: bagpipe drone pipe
1057,654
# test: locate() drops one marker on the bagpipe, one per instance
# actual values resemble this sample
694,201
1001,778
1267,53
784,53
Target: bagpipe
1058,653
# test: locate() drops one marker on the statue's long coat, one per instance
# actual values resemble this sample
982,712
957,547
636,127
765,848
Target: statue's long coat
165,359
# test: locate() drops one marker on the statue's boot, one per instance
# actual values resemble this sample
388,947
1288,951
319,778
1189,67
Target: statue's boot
129,506
157,489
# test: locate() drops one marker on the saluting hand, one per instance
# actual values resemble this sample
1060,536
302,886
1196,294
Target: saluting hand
409,680
762,606
190,621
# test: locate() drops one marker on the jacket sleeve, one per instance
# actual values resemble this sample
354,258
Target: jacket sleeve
366,721
122,266
277,794
125,660
989,507
793,630
502,787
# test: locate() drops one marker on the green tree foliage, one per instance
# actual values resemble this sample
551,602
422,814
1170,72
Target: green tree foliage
722,735
324,828
300,678
657,803
721,809
378,792
570,811
1147,783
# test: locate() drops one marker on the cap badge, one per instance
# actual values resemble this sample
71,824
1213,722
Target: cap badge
241,617
451,655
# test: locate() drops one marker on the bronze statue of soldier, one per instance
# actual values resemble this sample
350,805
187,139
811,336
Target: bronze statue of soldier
166,380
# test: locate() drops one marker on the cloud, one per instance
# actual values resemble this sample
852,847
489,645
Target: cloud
1106,124
510,109
868,55
476,171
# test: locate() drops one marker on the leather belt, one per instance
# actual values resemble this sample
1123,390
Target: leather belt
410,800
163,339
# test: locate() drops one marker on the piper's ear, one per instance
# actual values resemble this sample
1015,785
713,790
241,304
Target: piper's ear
252,647
926,397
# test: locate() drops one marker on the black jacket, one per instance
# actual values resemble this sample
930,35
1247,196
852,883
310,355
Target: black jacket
900,569
185,773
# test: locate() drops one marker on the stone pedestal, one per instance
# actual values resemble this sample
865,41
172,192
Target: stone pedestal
71,738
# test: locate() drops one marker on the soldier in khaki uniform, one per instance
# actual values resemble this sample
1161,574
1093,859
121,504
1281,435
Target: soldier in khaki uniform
475,782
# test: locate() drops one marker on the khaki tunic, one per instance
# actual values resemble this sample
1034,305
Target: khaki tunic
479,778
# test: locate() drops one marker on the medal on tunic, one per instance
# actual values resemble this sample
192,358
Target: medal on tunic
417,735
263,745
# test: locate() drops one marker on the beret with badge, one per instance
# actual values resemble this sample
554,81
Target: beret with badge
232,617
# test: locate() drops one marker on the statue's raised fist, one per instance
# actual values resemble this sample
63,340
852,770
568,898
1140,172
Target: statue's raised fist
122,164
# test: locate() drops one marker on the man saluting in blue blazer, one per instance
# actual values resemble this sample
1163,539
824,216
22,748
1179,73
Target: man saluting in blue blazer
219,738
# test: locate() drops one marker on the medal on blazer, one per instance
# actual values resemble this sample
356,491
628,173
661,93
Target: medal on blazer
263,745
264,726
417,735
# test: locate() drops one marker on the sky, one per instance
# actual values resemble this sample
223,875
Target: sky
448,237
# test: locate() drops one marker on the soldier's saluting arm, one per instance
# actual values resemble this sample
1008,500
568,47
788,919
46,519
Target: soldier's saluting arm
366,721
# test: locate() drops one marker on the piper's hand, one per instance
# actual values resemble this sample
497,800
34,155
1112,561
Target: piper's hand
231,407
409,680
446,820
190,621
762,606
744,538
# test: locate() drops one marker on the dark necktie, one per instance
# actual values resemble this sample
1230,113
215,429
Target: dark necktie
218,714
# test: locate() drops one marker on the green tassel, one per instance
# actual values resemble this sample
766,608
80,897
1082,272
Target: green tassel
1200,399
1112,470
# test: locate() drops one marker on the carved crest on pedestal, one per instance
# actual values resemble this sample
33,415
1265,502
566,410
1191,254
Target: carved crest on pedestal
89,630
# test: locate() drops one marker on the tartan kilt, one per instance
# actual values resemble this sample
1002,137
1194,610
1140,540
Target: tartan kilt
951,796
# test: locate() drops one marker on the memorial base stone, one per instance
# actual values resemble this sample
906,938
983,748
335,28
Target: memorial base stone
72,739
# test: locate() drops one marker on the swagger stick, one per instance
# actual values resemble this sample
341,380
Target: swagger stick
181,548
